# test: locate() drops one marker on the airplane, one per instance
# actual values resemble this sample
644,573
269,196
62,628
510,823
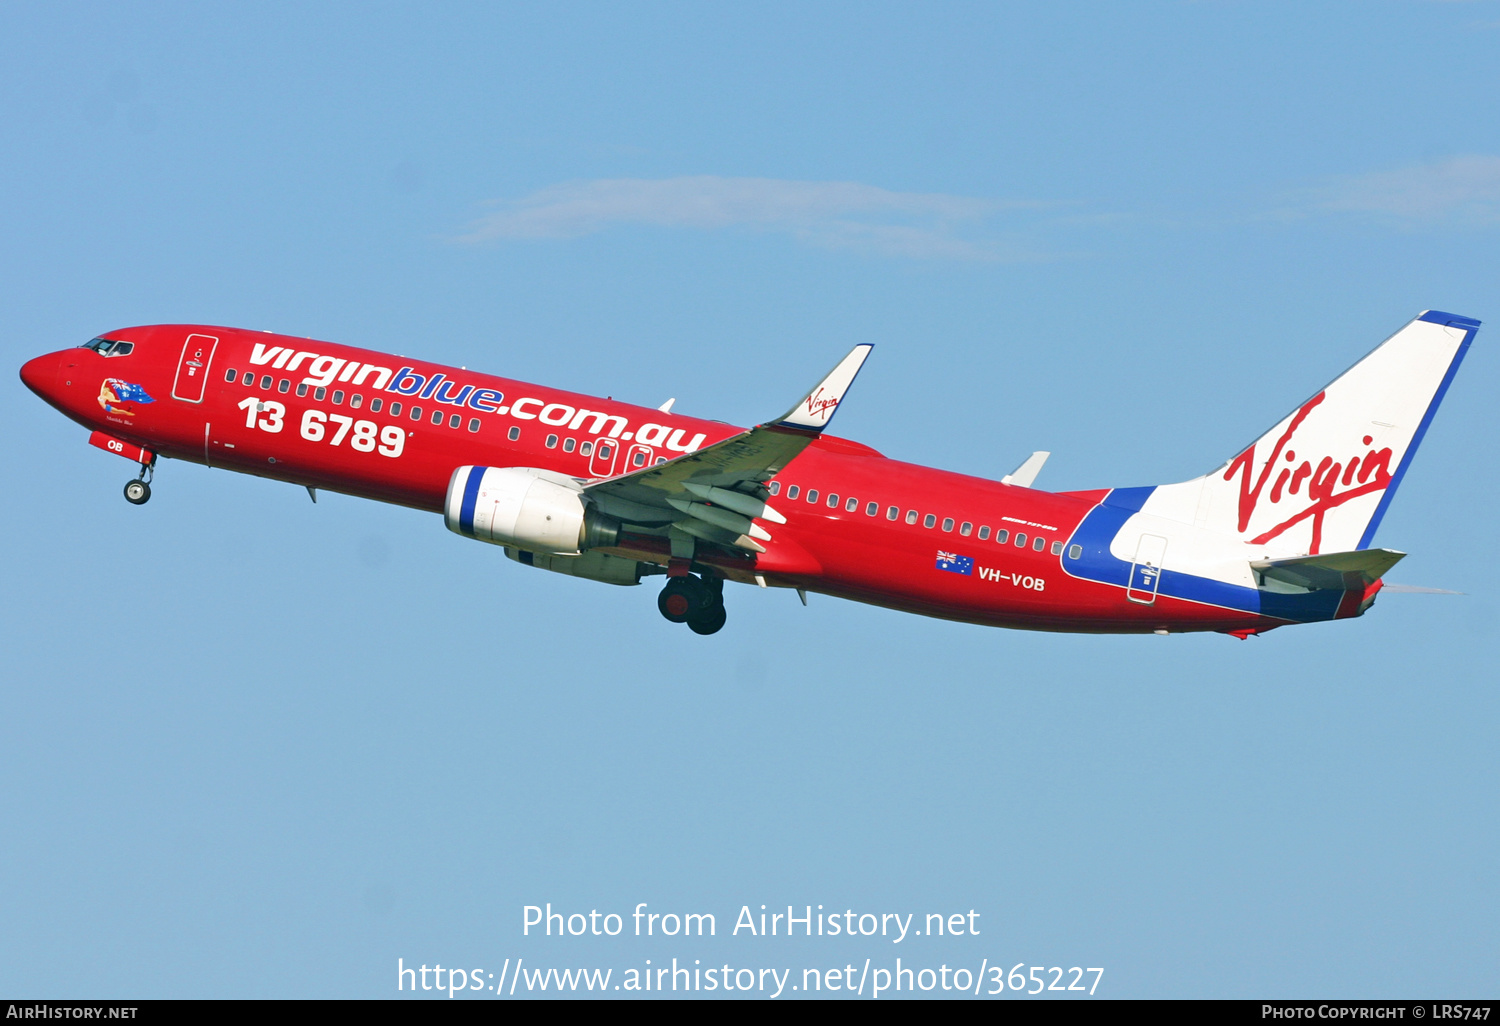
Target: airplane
612,492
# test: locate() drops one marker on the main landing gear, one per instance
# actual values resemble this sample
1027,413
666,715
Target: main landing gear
695,601
138,490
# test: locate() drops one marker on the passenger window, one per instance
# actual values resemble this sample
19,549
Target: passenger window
473,424
356,401
1039,544
947,523
551,442
248,379
283,385
851,505
375,404
514,434
1020,540
911,516
437,418
586,449
320,394
338,398
231,375
569,444
660,460
833,500
929,520
1057,548
639,460
1075,551
892,512
965,528
395,409
812,495
265,382
791,493
301,390
416,413
984,533
774,487
454,420
872,508
1002,536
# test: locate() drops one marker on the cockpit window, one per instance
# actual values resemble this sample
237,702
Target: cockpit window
109,347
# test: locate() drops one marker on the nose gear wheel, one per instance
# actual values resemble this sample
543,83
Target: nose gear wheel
138,490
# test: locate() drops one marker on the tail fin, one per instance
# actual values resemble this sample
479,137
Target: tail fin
1321,479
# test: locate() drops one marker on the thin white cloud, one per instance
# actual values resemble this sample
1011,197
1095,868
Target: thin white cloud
833,215
1459,189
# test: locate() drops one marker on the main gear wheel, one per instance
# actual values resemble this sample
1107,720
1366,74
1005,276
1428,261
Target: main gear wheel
695,601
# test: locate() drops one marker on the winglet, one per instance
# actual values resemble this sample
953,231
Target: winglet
818,407
1027,472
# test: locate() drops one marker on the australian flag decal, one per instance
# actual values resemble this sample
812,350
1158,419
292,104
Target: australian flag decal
954,563
126,392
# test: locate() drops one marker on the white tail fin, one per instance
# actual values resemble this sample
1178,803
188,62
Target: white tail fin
1320,480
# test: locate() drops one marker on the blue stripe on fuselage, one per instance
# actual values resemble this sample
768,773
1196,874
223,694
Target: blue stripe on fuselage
1098,564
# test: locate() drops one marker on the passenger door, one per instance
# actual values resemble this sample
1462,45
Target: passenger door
193,368
1145,572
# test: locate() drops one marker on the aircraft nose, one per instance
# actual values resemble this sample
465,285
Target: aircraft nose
40,375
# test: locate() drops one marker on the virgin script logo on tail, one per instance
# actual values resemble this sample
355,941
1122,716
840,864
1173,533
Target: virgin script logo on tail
1360,475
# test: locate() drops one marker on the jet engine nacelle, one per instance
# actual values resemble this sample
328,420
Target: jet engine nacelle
531,509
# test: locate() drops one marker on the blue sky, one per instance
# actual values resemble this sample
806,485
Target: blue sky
250,746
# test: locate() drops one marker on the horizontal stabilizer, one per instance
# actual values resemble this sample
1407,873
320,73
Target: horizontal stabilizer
1027,472
1328,570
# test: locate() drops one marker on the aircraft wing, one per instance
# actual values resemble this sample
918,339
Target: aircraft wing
714,494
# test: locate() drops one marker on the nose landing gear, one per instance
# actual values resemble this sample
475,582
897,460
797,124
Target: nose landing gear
138,490
695,601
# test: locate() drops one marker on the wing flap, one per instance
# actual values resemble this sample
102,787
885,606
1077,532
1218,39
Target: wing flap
730,474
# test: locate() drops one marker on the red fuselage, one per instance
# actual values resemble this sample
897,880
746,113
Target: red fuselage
859,525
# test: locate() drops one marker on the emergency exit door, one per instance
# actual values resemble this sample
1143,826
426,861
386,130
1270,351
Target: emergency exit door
602,462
